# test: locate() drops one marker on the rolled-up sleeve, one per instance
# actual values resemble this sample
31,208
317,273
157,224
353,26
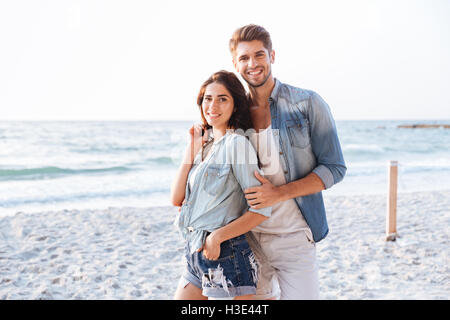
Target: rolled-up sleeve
244,163
325,143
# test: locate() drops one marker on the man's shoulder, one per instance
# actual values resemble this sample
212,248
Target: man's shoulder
295,94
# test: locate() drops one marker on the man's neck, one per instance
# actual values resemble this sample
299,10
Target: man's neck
260,110
260,95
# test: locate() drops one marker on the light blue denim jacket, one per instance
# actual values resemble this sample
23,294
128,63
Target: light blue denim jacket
217,196
308,143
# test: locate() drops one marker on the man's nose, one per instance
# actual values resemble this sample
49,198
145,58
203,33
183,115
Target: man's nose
252,62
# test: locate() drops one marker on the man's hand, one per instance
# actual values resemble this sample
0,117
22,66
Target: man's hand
263,196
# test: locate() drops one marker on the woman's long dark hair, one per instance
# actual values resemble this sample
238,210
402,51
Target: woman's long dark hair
240,118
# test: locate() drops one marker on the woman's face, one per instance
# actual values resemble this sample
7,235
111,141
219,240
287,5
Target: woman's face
217,105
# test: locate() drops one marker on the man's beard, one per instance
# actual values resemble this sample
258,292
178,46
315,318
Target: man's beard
262,83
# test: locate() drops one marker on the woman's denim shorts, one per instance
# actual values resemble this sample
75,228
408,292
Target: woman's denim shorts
233,274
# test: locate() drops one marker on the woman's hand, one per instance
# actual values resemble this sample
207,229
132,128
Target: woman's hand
211,247
197,140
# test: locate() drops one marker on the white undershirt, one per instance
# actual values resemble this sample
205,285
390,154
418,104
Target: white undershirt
286,216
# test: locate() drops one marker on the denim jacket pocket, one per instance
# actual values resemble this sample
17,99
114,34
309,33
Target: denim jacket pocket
298,133
215,178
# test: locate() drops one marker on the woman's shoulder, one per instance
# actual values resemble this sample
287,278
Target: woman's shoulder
239,143
235,139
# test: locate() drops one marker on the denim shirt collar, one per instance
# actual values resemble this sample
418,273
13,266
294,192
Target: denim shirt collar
229,131
275,91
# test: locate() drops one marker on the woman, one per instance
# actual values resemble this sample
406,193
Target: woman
214,215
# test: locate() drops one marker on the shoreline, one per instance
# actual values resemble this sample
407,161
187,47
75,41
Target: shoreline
136,253
326,194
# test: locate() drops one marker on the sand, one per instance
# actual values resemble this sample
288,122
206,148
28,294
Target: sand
136,253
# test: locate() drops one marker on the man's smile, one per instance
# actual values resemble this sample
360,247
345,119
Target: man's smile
255,73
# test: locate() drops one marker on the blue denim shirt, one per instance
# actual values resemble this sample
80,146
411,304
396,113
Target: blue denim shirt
217,196
309,143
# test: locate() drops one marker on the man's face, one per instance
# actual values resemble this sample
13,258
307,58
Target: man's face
253,62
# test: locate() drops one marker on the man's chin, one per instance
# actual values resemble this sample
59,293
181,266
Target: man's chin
256,84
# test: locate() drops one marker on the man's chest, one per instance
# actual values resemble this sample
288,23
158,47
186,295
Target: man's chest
261,118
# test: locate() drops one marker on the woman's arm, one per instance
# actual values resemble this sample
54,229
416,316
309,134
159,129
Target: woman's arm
244,162
243,224
178,189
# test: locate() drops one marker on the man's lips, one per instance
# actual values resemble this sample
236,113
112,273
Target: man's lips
254,73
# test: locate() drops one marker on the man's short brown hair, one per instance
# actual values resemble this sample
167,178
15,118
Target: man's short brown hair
250,32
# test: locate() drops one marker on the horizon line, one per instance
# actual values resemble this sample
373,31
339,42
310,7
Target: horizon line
187,120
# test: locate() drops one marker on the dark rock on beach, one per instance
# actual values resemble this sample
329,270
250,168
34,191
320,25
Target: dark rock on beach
424,126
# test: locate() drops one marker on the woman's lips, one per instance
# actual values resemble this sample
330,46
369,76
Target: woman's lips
214,115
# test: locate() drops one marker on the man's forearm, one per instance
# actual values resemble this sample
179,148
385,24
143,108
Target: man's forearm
301,187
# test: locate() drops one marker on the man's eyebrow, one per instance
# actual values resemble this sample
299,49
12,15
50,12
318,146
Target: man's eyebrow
260,51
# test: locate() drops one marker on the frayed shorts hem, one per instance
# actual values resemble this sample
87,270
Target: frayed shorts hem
232,292
192,279
219,292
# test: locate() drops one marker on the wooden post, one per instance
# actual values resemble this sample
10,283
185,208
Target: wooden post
391,217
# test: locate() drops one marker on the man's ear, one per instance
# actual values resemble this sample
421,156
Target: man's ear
272,56
235,64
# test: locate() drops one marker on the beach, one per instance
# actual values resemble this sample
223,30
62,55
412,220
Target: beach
136,253
85,212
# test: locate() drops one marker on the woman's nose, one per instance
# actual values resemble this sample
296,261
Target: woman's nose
214,104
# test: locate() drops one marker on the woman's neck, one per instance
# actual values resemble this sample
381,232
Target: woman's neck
219,132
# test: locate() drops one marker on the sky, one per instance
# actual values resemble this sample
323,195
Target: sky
146,60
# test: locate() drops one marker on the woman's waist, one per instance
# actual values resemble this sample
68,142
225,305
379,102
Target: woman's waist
193,243
194,228
209,219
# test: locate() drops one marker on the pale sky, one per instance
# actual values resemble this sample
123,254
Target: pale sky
145,60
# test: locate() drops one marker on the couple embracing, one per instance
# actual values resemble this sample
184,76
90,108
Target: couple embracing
250,183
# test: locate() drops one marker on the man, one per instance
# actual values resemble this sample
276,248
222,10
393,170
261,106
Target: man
297,124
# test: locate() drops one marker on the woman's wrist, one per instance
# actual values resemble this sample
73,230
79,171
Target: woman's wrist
189,154
217,236
192,149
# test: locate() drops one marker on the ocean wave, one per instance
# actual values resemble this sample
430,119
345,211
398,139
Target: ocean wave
366,148
160,160
48,172
104,149
82,196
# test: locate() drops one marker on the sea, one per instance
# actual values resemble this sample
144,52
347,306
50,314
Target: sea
65,165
